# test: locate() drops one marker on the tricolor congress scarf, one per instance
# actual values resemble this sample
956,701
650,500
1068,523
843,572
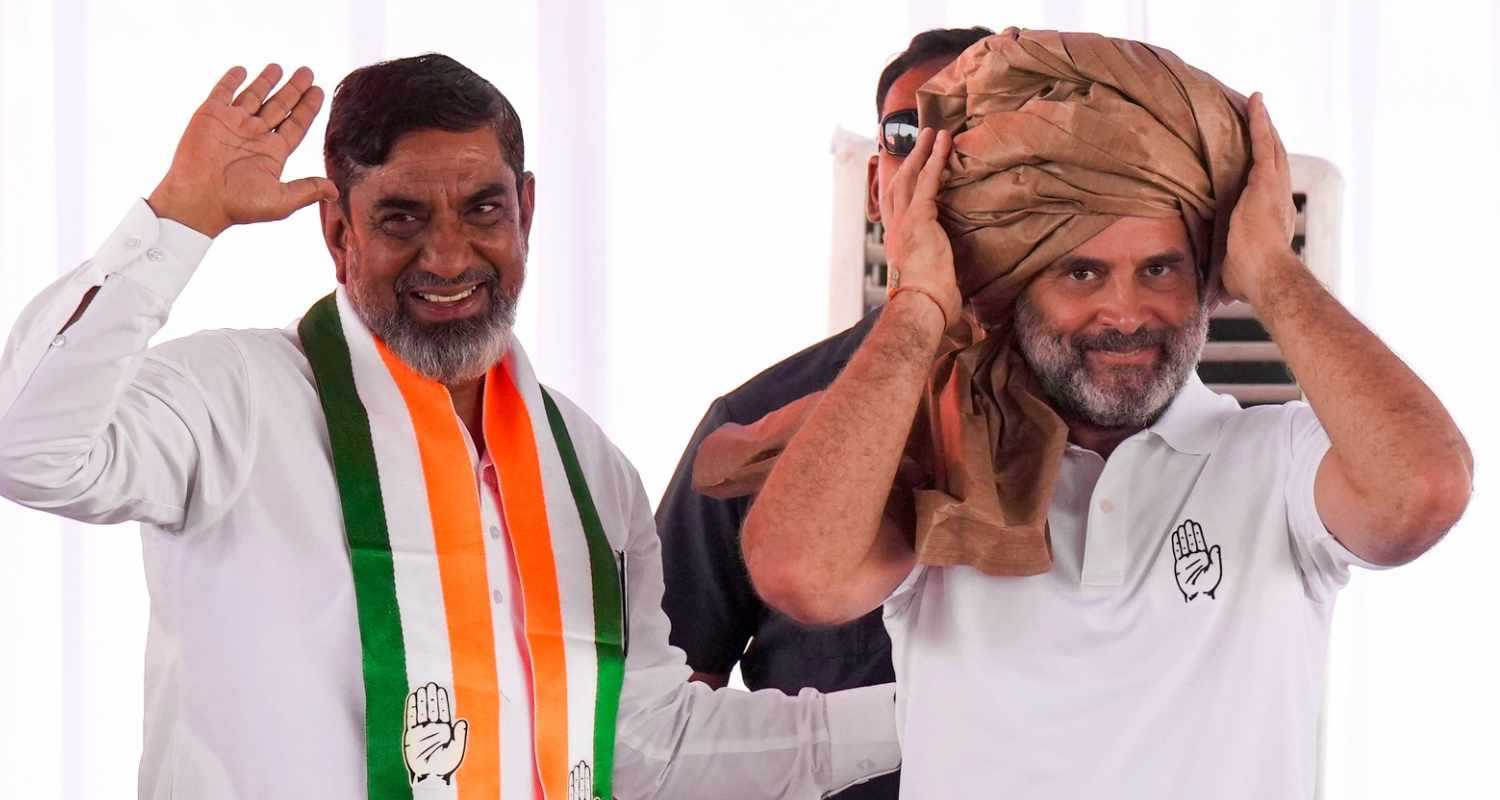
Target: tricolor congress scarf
417,548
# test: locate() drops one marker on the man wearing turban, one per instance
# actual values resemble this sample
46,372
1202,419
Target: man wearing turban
1100,577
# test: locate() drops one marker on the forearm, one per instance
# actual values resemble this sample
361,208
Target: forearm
814,527
729,743
60,391
678,739
1393,440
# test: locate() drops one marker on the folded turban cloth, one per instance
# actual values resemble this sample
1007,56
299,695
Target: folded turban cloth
1056,136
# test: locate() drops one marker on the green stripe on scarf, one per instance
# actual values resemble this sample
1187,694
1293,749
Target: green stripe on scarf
608,603
369,549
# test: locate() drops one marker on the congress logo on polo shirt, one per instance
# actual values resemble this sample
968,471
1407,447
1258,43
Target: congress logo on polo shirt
434,742
1198,567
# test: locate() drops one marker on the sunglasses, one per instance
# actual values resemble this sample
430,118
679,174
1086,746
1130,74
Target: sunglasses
898,132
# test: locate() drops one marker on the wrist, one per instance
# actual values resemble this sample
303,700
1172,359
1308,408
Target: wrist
1275,273
920,315
169,201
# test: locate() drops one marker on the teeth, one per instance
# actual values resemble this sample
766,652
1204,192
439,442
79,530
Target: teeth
447,298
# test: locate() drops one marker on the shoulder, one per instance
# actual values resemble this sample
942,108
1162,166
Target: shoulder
602,462
1270,425
802,373
218,352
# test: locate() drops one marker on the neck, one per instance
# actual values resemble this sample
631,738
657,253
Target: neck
468,403
1100,439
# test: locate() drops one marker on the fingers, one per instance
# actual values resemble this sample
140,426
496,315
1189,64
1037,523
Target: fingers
1177,543
444,713
1198,544
1262,148
280,105
255,94
306,191
293,126
1265,143
421,700
899,193
461,734
411,710
223,91
931,175
432,703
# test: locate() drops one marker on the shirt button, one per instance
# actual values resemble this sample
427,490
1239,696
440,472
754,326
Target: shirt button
155,254
59,340
499,598
494,531
1106,506
133,242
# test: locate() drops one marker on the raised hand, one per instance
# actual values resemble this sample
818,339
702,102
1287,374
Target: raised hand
916,246
1198,567
1264,219
227,168
581,782
434,744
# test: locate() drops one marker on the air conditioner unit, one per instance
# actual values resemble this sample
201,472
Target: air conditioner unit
1240,358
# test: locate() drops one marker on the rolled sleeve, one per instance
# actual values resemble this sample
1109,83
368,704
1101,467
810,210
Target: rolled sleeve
1325,561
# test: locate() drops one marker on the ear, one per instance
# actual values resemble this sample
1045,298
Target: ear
872,189
336,236
526,195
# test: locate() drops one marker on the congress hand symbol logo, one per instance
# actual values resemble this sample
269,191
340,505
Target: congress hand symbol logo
1199,568
434,744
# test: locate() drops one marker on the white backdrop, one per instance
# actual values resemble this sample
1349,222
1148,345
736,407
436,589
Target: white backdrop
681,244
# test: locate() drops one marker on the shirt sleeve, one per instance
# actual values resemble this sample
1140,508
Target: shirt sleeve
1323,559
681,739
96,427
709,599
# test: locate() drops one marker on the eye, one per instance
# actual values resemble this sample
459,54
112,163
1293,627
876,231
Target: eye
1160,270
1082,273
485,213
400,225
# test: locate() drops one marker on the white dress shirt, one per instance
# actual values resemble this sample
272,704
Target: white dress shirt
216,443
1134,669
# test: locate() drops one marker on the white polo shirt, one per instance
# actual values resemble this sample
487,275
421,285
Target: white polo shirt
1177,647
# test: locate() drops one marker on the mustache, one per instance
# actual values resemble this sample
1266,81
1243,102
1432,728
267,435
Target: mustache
1120,342
417,280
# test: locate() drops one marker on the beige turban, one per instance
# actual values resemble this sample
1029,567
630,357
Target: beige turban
1056,136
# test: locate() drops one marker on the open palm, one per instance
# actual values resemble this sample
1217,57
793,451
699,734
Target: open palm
228,165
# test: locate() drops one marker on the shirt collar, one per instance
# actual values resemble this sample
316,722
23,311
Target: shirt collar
1193,419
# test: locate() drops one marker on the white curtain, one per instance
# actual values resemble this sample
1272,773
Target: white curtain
681,245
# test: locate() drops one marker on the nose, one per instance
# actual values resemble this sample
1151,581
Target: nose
446,252
1124,306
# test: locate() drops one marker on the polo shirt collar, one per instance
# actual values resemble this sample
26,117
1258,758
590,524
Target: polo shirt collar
1192,421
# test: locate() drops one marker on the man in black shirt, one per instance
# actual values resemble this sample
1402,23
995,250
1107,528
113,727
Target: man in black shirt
713,607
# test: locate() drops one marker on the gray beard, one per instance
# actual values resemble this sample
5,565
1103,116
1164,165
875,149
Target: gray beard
447,352
1119,397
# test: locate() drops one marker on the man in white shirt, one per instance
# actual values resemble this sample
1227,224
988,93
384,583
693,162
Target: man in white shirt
1175,645
504,613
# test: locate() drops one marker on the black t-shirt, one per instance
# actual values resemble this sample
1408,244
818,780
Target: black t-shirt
709,598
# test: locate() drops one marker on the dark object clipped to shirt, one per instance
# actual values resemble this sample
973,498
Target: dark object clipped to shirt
713,607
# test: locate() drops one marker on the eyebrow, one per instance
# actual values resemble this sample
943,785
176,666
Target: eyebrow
398,202
1070,263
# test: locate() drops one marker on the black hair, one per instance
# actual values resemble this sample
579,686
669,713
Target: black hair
924,47
376,105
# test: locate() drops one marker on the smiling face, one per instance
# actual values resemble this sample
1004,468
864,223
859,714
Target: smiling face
432,250
1114,328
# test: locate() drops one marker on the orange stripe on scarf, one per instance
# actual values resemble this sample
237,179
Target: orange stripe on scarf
453,497
512,446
